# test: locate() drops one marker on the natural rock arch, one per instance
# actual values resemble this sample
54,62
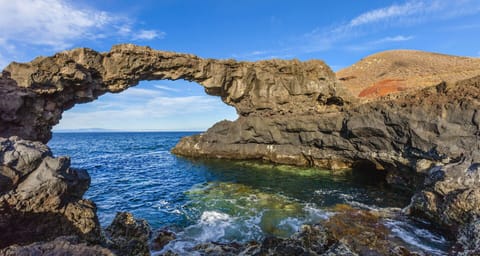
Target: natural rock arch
35,94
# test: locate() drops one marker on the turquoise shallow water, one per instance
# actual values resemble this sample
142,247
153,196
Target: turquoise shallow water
222,200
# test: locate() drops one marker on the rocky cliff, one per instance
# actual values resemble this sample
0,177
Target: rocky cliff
420,130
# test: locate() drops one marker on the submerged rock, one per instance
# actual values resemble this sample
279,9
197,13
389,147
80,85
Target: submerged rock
162,238
350,231
128,236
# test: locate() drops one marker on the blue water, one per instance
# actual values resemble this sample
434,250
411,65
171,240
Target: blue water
219,200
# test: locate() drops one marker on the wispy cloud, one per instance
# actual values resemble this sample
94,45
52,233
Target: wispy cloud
264,54
140,115
165,88
391,12
59,24
389,39
148,35
142,93
406,14
379,42
52,23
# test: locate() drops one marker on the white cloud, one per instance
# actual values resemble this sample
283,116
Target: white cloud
376,43
148,35
138,116
265,54
397,15
166,88
60,23
390,12
417,11
139,92
53,23
393,39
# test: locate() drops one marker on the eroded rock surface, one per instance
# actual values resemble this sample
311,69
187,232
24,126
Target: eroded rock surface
405,135
61,246
41,196
128,236
35,94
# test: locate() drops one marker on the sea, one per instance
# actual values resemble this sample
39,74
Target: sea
221,200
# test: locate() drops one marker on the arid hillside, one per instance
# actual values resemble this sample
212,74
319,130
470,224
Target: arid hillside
400,70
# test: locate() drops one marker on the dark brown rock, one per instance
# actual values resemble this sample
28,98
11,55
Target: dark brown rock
128,236
162,238
44,199
35,94
468,239
59,247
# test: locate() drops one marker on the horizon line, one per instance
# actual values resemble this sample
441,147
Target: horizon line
97,130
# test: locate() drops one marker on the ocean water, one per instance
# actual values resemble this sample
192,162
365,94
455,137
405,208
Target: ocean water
226,201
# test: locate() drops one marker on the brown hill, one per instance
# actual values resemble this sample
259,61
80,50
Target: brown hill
400,70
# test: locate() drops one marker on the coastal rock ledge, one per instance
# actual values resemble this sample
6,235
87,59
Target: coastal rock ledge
416,122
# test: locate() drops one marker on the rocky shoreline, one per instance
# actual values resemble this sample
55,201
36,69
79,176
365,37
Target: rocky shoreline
425,140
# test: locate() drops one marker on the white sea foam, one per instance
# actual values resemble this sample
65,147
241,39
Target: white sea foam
211,217
417,237
314,214
215,226
290,223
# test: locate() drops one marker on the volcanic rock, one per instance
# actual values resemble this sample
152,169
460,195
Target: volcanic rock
59,247
35,94
42,196
128,236
162,238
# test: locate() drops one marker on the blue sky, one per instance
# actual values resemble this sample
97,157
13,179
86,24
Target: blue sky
339,32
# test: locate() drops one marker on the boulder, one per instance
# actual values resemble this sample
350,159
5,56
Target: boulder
42,198
128,236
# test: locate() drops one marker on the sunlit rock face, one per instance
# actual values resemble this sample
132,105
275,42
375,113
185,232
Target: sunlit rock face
41,196
35,94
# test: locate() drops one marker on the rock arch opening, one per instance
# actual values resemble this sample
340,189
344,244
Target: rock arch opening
150,106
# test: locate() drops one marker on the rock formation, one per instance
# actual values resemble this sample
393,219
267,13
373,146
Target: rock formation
128,236
63,245
414,116
41,196
35,94
349,232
